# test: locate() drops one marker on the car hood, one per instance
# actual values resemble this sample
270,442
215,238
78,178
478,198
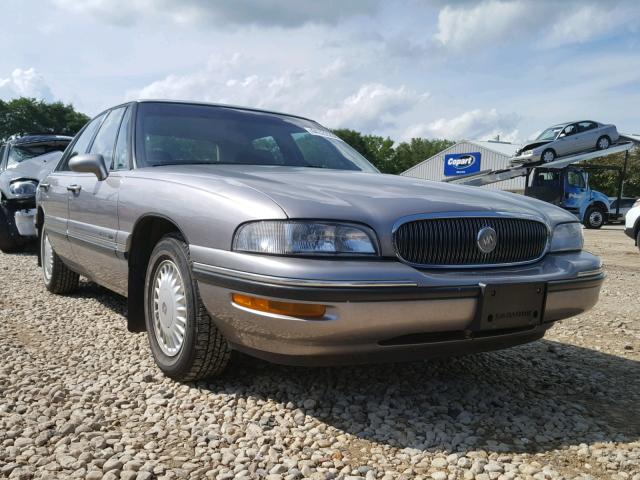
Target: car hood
375,199
532,145
35,168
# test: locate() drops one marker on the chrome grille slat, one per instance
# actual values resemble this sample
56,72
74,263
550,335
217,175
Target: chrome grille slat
451,241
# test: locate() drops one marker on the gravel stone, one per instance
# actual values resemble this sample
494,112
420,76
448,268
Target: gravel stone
80,397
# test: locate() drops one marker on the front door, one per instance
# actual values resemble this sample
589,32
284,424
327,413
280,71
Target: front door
567,142
93,211
54,195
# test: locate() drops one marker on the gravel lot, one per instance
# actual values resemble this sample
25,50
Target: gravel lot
81,398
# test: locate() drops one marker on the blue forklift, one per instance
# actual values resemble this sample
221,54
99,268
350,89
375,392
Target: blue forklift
565,182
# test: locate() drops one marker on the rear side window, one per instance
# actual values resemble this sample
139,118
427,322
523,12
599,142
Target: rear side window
105,140
82,142
585,126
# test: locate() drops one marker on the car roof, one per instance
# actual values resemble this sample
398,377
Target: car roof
38,138
221,105
564,124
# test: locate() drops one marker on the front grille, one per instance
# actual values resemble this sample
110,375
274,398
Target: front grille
451,242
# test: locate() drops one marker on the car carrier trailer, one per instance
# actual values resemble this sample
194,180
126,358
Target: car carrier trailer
564,183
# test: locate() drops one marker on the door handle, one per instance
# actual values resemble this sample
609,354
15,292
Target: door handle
75,188
44,186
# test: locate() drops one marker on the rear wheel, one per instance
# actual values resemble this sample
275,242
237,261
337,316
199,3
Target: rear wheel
638,239
184,340
10,239
58,278
603,143
594,217
549,155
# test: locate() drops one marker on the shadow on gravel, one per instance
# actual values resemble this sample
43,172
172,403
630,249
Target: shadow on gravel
533,398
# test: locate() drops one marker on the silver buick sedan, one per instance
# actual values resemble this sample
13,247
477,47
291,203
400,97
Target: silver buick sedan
238,229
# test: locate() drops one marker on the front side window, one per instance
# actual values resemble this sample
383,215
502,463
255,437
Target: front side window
575,179
549,134
122,153
570,130
183,134
82,142
105,140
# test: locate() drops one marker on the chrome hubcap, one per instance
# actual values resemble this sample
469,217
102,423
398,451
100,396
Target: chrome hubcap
169,308
47,257
595,218
548,157
604,143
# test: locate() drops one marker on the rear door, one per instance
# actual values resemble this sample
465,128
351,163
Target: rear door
54,196
93,205
587,135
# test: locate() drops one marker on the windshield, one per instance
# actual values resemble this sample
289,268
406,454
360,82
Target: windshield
20,153
183,134
550,133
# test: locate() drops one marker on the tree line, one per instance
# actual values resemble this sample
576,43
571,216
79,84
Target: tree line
28,115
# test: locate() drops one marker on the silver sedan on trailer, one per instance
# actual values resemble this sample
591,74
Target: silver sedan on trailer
567,139
238,229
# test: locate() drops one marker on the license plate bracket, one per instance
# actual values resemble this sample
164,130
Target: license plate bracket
510,306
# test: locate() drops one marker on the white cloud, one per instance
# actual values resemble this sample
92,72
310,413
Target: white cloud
284,13
582,25
234,81
463,26
372,107
473,125
25,83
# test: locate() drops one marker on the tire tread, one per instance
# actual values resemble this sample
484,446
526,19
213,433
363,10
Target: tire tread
211,350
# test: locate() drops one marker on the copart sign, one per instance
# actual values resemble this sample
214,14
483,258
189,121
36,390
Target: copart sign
461,163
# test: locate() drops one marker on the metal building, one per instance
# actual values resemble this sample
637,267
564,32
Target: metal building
469,156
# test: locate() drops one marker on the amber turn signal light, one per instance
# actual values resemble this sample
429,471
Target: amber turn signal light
303,310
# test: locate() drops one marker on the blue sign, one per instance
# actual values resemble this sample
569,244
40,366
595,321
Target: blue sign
461,163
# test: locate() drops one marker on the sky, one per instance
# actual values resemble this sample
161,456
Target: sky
398,68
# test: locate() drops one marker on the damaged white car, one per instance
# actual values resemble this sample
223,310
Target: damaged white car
24,161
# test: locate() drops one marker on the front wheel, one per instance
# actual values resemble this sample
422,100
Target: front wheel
548,155
58,278
185,342
594,217
603,143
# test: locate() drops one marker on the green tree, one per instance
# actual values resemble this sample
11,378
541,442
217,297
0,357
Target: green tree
415,151
389,159
28,115
606,181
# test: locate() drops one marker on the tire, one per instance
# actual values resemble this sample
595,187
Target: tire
638,239
594,217
169,289
10,240
549,155
603,142
58,278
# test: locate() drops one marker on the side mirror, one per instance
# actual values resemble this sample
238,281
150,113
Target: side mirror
89,163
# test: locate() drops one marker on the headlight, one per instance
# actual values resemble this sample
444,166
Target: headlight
284,237
567,236
527,152
23,188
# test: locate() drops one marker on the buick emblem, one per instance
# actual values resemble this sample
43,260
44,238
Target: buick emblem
487,240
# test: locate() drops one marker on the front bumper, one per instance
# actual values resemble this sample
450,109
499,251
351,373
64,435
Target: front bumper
525,159
390,319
